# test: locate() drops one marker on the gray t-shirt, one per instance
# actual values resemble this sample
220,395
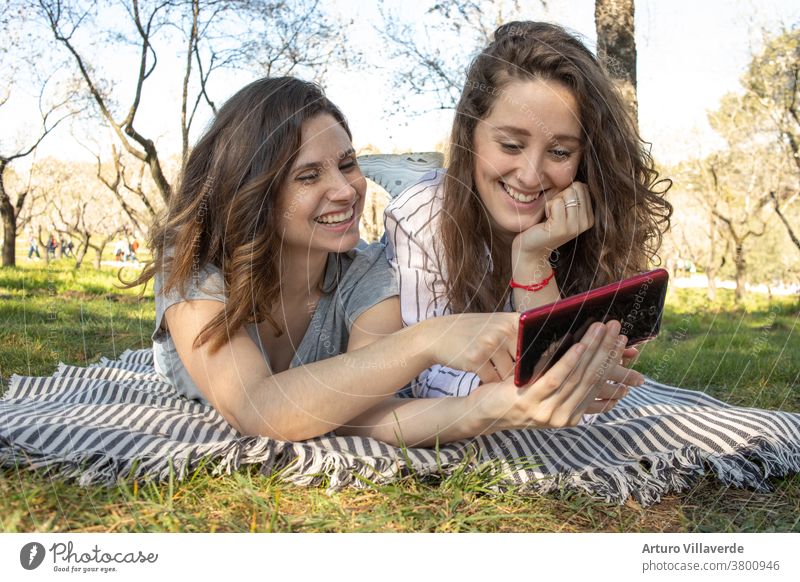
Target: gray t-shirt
354,282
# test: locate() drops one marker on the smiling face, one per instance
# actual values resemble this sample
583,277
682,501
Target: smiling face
321,202
526,151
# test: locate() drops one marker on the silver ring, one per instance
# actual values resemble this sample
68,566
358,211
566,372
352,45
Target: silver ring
572,203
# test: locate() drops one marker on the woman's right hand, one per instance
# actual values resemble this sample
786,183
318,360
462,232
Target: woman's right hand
568,214
483,343
577,384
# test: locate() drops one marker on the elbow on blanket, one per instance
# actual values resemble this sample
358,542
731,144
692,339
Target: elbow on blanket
273,421
278,429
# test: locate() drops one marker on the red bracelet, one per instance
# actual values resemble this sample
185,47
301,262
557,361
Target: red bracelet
535,286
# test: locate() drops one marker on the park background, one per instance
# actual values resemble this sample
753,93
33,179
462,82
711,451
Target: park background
100,102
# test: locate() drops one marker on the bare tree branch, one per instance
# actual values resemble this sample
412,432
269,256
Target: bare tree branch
789,229
10,211
426,63
124,130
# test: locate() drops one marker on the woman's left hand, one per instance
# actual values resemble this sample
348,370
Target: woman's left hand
621,379
568,214
629,357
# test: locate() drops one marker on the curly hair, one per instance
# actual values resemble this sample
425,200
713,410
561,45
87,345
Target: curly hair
631,213
225,211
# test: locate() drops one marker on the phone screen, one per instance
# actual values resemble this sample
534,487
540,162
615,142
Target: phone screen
546,333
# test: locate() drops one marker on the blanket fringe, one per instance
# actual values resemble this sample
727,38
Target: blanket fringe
13,386
655,476
751,467
646,478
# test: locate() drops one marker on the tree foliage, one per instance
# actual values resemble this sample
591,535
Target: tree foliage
749,189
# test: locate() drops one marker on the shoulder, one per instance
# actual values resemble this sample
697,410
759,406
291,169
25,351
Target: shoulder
365,278
207,282
420,201
415,213
358,263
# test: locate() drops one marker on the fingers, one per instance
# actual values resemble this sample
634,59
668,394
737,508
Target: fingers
506,323
611,391
569,213
595,373
629,357
555,377
584,213
592,339
609,352
573,205
599,406
623,375
494,353
502,359
556,217
607,398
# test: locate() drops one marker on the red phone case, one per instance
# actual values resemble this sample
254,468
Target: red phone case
637,303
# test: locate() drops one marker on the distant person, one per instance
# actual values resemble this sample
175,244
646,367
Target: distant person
52,245
132,248
549,192
34,248
119,252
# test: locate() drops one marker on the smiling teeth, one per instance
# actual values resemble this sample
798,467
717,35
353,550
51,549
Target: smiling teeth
519,196
334,218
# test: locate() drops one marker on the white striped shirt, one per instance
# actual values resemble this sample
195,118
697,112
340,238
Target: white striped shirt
413,248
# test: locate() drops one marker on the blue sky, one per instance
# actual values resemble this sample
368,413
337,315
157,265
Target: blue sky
690,53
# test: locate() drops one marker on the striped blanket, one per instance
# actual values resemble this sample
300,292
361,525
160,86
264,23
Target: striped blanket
116,420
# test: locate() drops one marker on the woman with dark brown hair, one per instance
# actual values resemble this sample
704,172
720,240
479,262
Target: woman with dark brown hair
266,310
549,191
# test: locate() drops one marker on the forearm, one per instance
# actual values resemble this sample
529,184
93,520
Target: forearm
421,422
316,398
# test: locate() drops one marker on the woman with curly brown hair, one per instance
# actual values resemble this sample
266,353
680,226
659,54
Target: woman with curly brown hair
549,191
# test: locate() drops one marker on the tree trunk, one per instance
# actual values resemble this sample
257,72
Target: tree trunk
99,248
9,217
711,265
741,268
82,249
711,292
42,246
616,46
9,235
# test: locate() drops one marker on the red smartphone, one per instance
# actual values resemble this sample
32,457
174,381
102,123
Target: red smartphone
547,332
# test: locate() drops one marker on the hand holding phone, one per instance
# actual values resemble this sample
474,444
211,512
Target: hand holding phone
582,381
547,332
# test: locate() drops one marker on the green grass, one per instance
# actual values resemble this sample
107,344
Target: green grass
748,356
57,314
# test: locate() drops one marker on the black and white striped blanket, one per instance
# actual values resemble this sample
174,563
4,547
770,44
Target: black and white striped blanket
116,420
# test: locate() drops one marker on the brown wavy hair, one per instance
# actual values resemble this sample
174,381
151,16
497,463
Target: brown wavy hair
224,212
631,213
